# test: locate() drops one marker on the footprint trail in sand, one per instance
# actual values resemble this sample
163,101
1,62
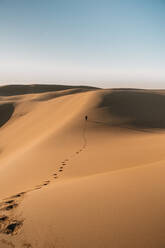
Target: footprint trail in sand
10,222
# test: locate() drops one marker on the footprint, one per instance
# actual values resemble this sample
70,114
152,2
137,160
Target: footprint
60,170
18,195
3,218
9,202
45,184
10,207
12,227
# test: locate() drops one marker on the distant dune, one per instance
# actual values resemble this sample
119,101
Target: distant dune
10,90
70,183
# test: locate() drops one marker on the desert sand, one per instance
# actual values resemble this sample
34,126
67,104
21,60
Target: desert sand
70,183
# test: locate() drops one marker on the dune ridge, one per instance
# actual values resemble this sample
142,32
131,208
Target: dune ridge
67,182
10,90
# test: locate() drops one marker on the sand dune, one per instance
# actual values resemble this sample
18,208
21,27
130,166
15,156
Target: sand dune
67,182
10,90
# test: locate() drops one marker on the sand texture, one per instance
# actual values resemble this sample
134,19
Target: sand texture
70,183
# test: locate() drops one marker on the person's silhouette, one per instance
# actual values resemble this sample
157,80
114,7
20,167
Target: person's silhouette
86,117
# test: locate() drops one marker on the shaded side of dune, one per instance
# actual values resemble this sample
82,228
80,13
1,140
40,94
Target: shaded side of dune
6,111
138,108
10,90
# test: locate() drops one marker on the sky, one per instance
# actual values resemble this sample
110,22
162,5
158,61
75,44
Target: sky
106,43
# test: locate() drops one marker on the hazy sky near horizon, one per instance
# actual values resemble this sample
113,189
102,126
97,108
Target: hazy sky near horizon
108,43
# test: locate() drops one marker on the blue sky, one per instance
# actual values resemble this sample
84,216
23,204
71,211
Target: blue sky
109,43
